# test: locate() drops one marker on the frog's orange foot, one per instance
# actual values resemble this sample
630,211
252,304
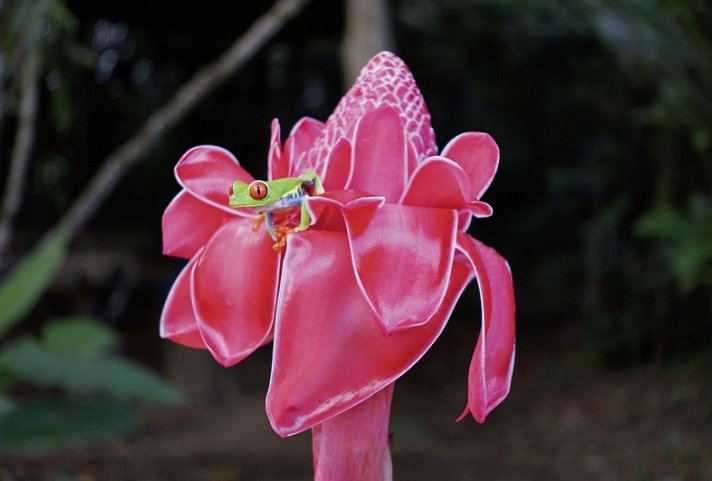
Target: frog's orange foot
277,246
281,230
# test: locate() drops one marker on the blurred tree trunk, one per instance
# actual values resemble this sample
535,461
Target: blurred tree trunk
22,144
368,31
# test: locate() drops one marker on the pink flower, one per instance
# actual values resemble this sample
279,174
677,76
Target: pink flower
357,299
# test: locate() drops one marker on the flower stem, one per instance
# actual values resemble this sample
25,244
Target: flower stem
354,446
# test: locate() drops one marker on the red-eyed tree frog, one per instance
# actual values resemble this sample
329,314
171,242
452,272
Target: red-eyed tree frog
280,196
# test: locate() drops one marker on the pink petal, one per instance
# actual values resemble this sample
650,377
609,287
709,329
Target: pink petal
478,154
178,321
277,163
402,257
326,210
329,354
384,81
208,172
413,159
300,140
234,287
438,182
491,368
380,163
480,209
338,167
188,224
353,446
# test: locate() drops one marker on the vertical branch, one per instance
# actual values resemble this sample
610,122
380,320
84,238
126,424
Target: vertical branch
205,81
367,32
22,147
2,92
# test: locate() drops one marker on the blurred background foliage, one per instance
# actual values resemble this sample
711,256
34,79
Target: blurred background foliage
602,109
603,201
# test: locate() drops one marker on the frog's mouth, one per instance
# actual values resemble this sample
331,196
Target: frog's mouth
283,205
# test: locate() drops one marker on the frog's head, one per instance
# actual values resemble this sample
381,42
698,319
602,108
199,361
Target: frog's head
255,193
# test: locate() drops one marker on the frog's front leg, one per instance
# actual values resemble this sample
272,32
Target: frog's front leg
305,219
269,224
282,230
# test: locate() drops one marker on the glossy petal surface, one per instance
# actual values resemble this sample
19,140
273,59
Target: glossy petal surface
402,257
178,322
234,287
353,446
439,182
329,353
380,163
207,172
339,167
300,140
188,224
478,154
491,369
277,162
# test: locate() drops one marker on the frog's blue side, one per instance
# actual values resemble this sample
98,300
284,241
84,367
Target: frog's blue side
288,202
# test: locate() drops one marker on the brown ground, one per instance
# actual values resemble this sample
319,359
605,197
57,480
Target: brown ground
559,423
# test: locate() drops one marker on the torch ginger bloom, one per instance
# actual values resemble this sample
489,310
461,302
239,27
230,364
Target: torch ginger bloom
357,298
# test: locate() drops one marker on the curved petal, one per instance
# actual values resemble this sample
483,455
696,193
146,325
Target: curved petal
438,182
478,154
326,209
234,287
178,322
277,163
353,446
300,140
491,369
380,163
207,172
413,159
338,167
480,209
329,354
187,224
402,257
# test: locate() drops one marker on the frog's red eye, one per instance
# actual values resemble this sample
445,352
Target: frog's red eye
258,190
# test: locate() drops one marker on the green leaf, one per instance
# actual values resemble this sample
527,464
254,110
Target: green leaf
47,424
6,379
6,404
81,337
112,376
683,239
662,223
23,286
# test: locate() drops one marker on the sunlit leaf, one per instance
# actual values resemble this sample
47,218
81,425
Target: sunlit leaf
113,376
48,424
663,223
6,404
21,288
80,337
682,239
